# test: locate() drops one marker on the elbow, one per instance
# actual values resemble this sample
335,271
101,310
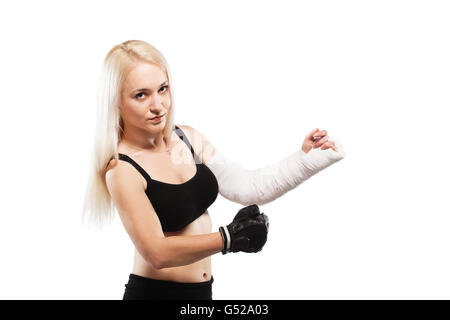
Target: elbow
155,262
155,258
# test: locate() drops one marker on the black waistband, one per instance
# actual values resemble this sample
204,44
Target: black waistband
134,278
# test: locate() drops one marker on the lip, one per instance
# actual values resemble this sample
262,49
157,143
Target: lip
156,119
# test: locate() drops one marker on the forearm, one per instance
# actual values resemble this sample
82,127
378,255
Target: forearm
264,185
183,250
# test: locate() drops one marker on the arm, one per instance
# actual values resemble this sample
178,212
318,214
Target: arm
265,184
181,250
144,228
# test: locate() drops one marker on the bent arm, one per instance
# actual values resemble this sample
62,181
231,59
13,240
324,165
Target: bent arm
175,251
266,184
144,227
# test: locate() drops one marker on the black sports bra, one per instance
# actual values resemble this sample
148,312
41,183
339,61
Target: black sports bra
177,205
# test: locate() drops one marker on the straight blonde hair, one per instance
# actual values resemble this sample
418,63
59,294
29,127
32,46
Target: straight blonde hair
98,207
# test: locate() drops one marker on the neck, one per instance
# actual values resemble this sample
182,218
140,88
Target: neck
141,140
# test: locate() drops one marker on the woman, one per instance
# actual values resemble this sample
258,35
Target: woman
162,178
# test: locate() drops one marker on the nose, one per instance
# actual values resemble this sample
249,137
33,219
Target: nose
156,108
156,105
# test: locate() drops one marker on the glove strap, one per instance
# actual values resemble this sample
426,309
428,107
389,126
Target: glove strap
226,239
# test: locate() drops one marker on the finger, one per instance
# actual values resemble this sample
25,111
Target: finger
260,219
338,148
247,212
320,142
331,142
310,135
254,209
320,134
326,145
332,148
312,132
333,145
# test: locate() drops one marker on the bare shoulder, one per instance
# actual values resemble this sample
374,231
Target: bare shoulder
186,129
121,173
202,146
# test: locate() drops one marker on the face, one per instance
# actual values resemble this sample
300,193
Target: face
145,94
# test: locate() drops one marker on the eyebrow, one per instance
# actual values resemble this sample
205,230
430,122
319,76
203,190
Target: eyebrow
145,89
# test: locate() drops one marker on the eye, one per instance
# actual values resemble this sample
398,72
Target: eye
136,96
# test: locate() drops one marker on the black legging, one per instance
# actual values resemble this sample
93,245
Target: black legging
142,288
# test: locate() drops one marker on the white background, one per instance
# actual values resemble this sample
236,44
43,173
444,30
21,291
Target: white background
254,77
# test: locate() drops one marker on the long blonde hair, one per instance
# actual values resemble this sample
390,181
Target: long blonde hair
98,206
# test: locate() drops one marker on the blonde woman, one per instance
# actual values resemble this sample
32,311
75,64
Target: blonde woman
162,178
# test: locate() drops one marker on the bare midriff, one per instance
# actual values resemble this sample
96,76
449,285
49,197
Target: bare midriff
199,271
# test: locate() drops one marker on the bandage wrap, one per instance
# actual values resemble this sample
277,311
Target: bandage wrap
264,185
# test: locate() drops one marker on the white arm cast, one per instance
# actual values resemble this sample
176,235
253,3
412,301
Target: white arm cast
264,185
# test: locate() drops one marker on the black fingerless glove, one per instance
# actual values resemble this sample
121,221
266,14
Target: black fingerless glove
247,232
